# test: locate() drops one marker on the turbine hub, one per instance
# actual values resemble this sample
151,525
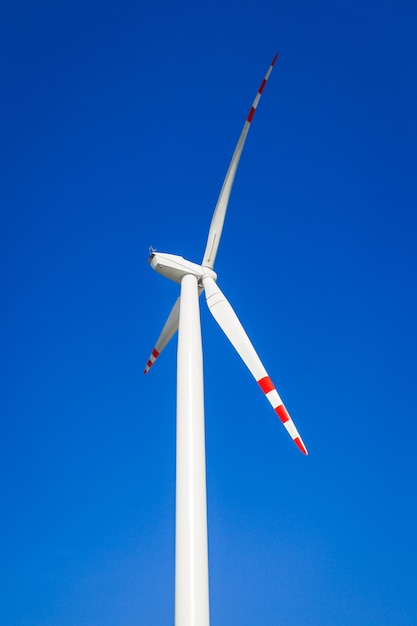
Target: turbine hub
207,271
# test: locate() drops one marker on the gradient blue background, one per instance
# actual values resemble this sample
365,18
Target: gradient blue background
118,123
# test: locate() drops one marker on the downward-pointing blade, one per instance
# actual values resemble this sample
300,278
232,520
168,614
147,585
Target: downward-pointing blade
217,221
171,326
233,329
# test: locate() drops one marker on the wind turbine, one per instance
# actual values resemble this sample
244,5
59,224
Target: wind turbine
191,560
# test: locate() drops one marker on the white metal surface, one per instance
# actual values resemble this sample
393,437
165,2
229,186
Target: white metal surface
191,558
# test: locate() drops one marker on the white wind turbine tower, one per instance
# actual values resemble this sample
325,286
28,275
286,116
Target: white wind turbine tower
191,560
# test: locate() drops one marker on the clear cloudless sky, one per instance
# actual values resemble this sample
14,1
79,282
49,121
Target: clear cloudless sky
118,121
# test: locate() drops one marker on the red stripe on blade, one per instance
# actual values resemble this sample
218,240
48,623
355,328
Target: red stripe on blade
298,443
281,411
251,114
261,88
266,384
155,353
275,58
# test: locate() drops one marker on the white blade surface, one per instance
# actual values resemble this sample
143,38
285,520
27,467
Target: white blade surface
233,329
168,331
217,221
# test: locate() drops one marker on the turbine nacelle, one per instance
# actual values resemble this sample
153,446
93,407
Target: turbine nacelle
175,267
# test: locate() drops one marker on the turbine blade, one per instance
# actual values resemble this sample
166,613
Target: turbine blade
171,326
217,221
234,331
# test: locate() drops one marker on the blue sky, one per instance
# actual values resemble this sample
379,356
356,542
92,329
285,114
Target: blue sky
119,121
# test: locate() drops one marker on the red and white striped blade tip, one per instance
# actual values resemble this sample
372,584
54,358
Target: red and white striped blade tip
300,444
154,355
273,397
260,90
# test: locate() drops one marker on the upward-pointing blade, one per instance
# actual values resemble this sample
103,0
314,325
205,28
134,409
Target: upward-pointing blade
233,329
217,221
